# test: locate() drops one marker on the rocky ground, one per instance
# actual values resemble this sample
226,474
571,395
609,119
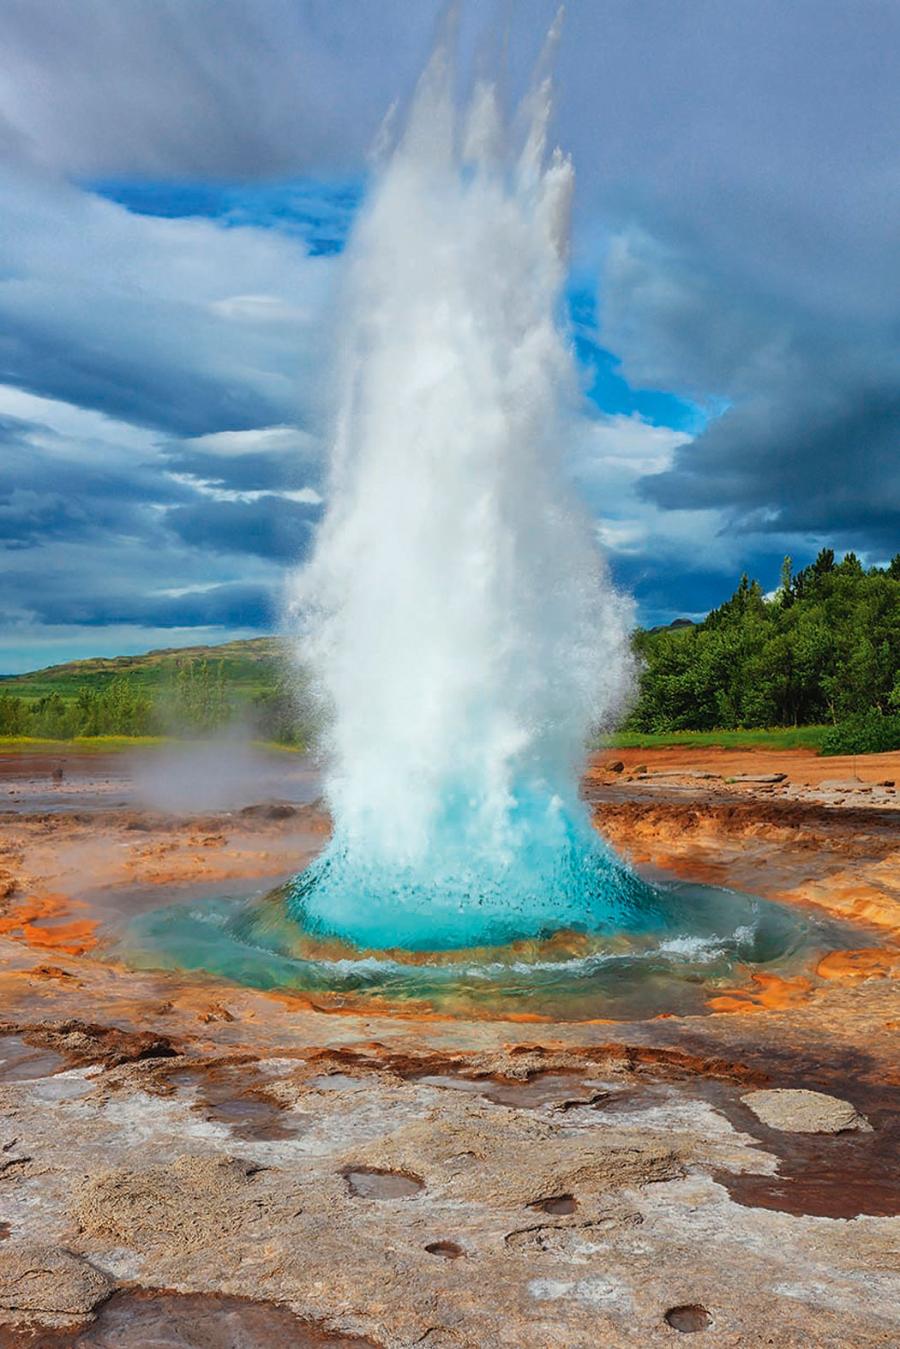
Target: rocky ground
184,1162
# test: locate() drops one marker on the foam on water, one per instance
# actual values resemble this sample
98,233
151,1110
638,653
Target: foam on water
458,619
696,940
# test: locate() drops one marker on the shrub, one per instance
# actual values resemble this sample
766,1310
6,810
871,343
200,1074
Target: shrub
866,733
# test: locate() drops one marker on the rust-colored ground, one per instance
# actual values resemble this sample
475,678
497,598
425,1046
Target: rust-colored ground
162,1114
803,766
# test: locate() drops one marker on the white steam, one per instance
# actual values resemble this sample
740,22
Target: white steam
456,613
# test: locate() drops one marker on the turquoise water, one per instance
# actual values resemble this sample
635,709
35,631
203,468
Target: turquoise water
691,941
461,895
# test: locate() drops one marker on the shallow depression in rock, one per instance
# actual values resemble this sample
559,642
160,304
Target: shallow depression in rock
144,1318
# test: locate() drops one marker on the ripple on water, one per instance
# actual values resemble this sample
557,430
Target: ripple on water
692,946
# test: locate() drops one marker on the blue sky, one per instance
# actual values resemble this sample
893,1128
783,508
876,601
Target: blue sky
171,237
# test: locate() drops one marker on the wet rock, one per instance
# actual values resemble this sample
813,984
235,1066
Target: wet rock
145,1318
369,1183
83,1043
805,1112
35,1277
271,810
474,1154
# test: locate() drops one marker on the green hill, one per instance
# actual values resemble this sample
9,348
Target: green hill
180,691
248,667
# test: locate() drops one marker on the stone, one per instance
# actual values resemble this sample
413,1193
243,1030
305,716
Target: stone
38,1277
759,777
616,766
805,1112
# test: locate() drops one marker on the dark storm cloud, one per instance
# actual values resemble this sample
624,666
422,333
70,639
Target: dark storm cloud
755,259
809,443
47,494
230,89
176,324
248,472
97,533
233,604
270,527
737,171
820,460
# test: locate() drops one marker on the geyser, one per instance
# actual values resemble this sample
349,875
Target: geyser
455,613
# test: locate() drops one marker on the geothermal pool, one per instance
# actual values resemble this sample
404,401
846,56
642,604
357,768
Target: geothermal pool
697,939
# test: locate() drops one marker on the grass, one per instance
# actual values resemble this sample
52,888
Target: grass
249,667
88,744
105,744
774,737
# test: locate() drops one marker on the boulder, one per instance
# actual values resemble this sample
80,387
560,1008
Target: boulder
805,1112
38,1277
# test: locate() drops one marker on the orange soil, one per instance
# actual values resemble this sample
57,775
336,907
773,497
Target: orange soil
851,967
767,992
37,921
801,765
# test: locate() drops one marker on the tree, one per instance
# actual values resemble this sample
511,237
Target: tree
830,653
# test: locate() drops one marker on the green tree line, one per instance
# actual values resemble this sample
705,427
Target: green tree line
824,649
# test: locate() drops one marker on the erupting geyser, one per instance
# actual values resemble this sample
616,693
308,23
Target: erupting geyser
455,612
465,639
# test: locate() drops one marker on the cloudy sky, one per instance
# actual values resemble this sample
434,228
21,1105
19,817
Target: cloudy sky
177,181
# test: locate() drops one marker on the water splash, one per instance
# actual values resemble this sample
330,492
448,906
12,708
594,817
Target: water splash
456,614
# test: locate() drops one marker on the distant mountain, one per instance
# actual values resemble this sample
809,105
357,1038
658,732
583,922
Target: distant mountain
674,625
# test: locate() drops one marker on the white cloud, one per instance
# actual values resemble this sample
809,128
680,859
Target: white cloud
263,440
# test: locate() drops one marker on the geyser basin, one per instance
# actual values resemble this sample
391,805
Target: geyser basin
671,957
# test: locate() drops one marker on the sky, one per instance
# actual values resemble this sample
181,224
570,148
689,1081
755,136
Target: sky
177,182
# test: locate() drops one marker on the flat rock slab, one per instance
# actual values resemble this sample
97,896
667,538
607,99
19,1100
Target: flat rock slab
693,773
805,1112
35,1277
759,777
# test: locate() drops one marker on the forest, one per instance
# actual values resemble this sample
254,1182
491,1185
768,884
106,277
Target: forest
825,648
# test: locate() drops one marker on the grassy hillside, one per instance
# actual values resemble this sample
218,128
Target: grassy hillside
248,667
